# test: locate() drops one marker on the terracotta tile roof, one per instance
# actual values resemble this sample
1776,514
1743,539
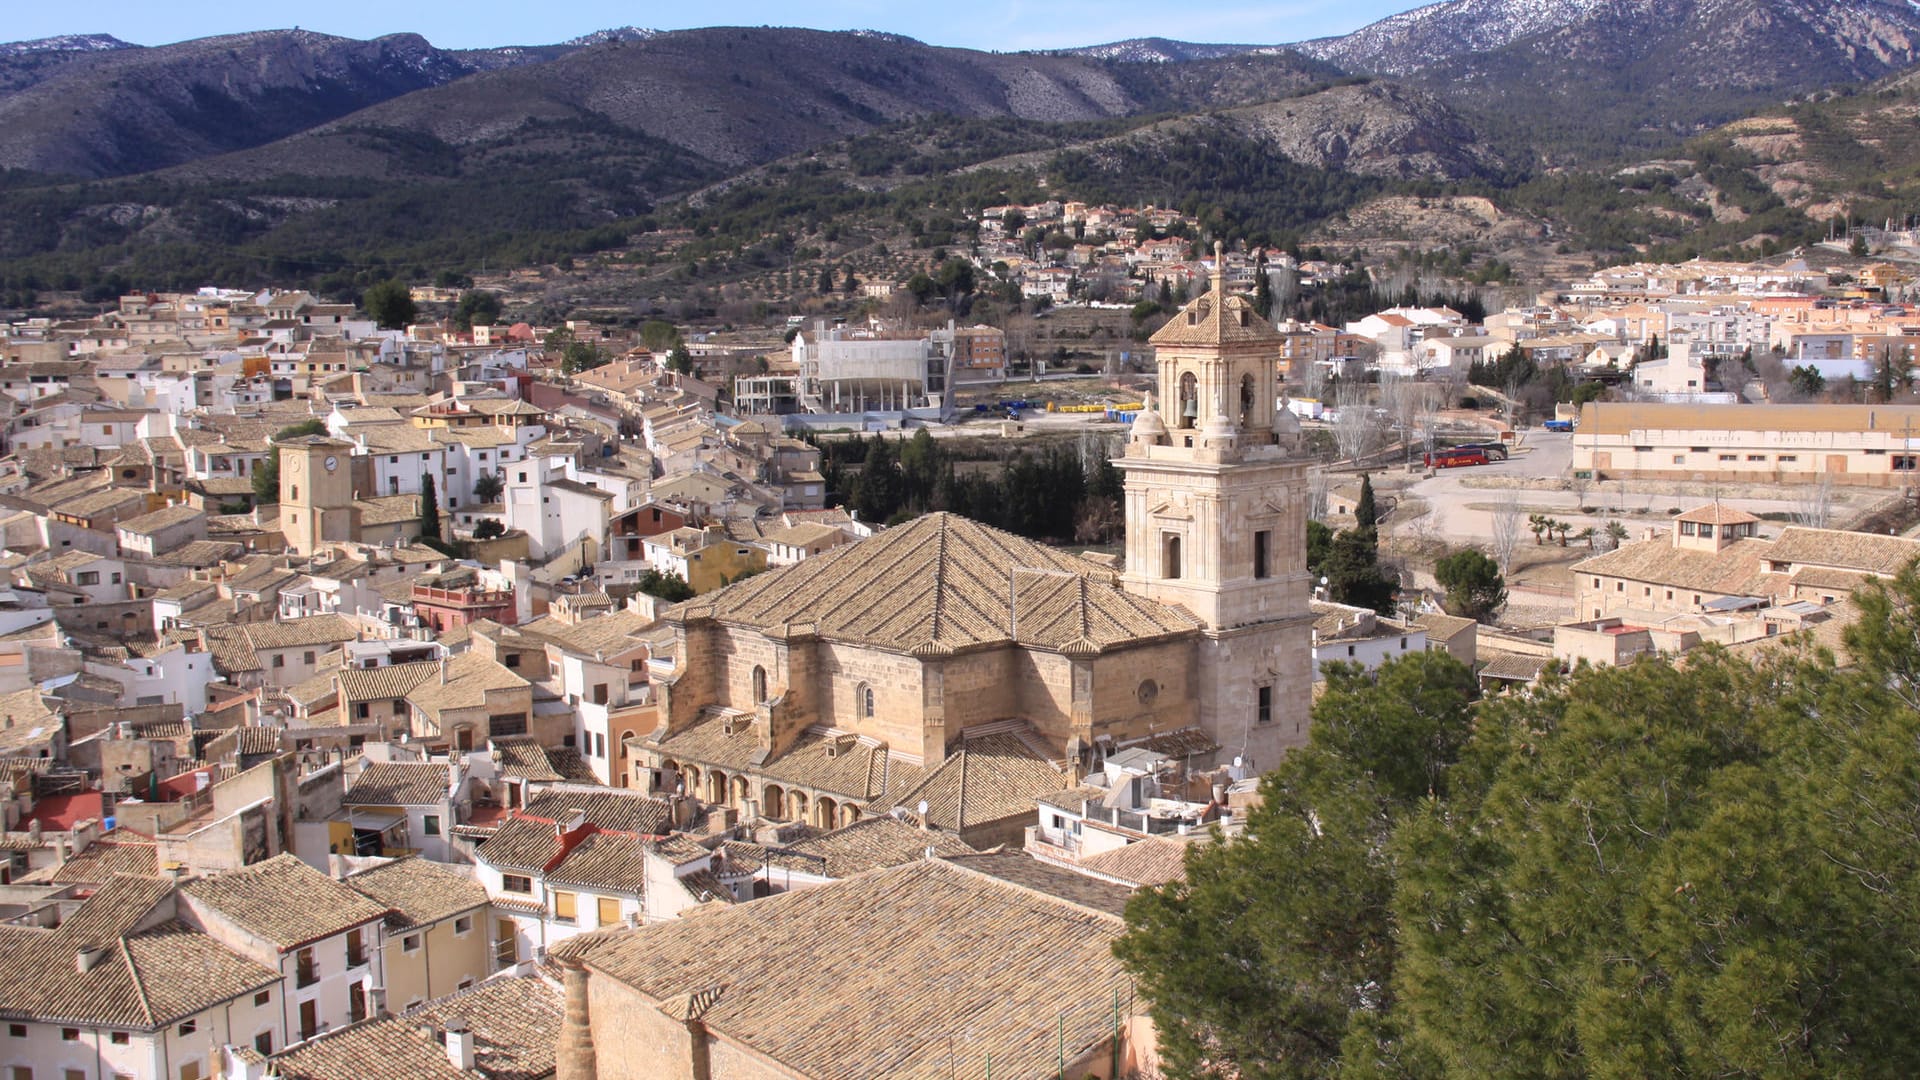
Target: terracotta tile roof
100,862
1841,550
400,783
1514,667
420,891
1153,861
1626,418
515,1025
1442,627
469,676
604,862
144,980
316,690
522,758
232,652
845,765
934,942
1209,321
940,583
988,778
615,809
163,518
874,843
1716,514
1019,868
388,509
285,901
295,633
391,681
1734,571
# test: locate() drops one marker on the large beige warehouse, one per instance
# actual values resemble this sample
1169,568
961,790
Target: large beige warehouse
1867,445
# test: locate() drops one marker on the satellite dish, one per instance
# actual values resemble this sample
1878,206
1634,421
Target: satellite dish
1236,761
923,808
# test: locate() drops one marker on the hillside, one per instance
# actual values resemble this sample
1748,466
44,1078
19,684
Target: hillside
1583,78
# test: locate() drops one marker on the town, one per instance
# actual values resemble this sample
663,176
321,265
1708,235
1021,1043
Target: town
397,689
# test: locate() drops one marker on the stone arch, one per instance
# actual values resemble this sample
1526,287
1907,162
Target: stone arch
741,792
849,814
1189,401
759,684
716,787
690,780
863,701
824,810
1247,394
797,806
771,802
1170,556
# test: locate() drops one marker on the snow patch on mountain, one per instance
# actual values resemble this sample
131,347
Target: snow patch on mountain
65,43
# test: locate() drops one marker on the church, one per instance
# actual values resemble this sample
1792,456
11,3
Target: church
952,672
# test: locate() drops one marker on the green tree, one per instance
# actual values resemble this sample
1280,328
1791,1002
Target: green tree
389,304
1262,288
1475,589
665,586
476,308
429,508
658,335
1276,947
679,360
1354,575
488,529
487,487
1857,247
1807,381
1319,543
1364,514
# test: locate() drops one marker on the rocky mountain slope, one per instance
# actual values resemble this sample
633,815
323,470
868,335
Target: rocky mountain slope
117,111
1571,74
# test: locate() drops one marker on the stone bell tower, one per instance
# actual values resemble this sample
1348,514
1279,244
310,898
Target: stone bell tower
1216,505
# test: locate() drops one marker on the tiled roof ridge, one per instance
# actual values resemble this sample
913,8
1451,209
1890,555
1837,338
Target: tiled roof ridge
1027,890
133,972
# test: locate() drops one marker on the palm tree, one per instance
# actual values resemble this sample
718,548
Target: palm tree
1616,534
1538,524
1587,534
1563,529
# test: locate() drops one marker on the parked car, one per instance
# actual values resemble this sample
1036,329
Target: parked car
1558,425
1458,456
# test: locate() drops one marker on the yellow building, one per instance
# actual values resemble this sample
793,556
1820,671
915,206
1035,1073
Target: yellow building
436,941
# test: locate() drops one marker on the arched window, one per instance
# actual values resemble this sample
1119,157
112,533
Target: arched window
1169,556
1189,400
759,684
1246,400
863,701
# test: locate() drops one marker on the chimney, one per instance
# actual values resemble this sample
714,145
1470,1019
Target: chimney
443,671
460,1045
88,957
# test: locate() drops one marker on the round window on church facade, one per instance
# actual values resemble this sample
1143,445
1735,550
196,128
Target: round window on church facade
1148,691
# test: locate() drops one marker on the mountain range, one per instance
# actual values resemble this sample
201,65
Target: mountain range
225,141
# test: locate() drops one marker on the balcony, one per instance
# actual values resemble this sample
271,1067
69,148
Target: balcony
426,594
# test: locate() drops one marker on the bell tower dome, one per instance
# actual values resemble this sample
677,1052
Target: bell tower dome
1216,520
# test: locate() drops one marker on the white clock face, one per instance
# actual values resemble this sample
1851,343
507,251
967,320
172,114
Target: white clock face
331,463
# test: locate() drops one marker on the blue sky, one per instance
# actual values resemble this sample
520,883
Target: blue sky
1007,25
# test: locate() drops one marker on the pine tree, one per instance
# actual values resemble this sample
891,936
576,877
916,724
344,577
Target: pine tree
1364,514
429,509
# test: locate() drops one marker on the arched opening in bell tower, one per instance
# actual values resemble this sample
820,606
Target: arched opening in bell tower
1189,400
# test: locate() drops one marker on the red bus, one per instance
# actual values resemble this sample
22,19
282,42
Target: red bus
1448,459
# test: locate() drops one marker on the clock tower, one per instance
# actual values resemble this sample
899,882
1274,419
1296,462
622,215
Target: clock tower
316,492
1216,508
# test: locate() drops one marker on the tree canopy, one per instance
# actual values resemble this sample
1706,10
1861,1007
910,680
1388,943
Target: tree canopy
390,304
1475,588
1705,870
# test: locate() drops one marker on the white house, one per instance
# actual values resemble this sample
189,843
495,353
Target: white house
323,938
1358,635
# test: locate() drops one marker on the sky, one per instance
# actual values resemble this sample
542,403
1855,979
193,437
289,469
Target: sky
1005,25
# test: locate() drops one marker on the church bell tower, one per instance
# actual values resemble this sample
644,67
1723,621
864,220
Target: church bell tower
1216,506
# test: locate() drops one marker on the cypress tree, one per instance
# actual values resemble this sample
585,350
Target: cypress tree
429,510
1364,514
